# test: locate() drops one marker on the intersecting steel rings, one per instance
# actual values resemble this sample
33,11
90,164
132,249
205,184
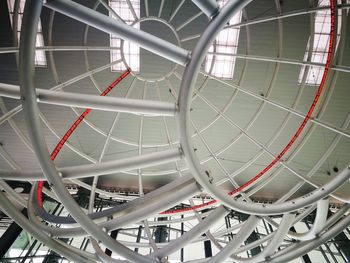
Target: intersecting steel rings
181,188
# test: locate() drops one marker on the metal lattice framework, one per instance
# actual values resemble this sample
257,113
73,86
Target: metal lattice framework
160,202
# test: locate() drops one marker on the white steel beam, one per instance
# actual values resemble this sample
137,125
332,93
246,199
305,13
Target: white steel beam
94,102
87,170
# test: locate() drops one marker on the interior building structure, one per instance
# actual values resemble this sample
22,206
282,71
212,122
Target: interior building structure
174,131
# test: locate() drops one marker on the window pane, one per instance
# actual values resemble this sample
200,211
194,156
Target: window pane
320,45
40,56
226,42
131,51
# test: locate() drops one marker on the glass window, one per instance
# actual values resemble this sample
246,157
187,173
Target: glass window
40,57
131,51
226,43
320,45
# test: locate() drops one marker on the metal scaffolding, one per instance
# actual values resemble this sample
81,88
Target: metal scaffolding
151,227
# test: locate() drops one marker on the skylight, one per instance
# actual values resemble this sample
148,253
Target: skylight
40,57
320,45
226,42
131,51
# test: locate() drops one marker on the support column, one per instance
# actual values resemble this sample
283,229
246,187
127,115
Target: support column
306,259
9,237
138,238
207,249
182,232
161,232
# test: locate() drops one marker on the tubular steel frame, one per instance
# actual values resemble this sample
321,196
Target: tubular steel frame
157,203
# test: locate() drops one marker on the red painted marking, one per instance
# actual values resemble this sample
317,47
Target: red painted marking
69,132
